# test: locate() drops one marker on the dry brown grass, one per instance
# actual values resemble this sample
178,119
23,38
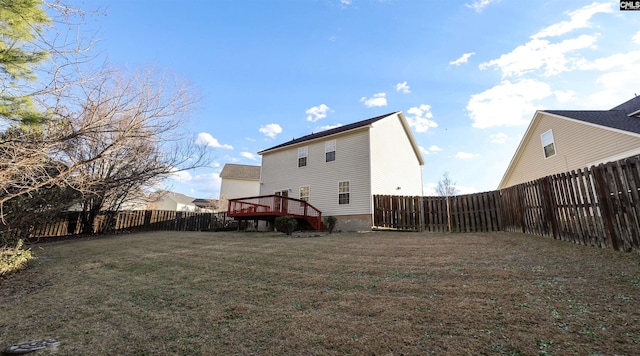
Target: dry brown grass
374,293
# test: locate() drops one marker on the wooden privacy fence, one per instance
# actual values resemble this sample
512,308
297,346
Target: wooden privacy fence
462,213
130,221
596,206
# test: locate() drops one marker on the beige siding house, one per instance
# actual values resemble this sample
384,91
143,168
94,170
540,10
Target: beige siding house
238,181
339,170
559,141
166,200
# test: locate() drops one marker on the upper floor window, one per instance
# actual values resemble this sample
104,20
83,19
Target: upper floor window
330,151
343,192
304,193
548,144
303,152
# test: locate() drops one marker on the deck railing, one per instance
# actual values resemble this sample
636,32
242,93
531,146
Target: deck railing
268,206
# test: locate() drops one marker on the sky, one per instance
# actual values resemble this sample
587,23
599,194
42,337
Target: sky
468,75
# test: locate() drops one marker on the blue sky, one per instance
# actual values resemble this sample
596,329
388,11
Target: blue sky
468,75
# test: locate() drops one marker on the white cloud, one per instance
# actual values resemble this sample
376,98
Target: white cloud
180,176
205,139
378,99
270,130
249,155
419,118
564,96
463,59
317,112
328,127
618,60
423,150
208,183
345,2
540,54
466,155
507,104
578,19
499,138
617,87
478,5
435,148
636,37
403,88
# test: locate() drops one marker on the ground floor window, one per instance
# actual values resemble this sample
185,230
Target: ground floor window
343,192
304,193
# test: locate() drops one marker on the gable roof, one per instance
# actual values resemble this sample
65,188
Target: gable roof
240,171
330,132
623,118
354,126
620,117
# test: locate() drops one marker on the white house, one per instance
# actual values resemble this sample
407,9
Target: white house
238,181
339,170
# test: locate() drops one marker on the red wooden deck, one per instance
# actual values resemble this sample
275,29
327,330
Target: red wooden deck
270,206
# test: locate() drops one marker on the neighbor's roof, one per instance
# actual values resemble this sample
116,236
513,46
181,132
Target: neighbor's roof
240,171
620,117
329,132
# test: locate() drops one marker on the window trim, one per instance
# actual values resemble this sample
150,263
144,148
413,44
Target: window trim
348,192
303,154
308,193
552,143
329,147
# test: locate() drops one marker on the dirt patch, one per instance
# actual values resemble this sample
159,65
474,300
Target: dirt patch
374,293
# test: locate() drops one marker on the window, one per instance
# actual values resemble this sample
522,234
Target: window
303,152
548,145
330,151
343,193
304,193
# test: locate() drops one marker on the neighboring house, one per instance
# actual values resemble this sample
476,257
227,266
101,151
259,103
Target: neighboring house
560,141
238,181
206,205
339,170
165,200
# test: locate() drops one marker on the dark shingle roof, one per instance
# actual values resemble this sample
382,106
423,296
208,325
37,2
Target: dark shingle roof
617,118
330,132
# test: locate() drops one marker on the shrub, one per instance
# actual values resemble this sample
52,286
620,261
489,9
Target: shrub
330,223
286,224
14,258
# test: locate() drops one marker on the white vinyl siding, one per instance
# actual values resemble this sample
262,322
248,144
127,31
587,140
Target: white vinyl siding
394,161
578,145
353,165
235,188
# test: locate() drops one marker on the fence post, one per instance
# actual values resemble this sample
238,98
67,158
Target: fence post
604,197
548,206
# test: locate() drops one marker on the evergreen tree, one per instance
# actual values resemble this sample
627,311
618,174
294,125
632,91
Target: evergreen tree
21,23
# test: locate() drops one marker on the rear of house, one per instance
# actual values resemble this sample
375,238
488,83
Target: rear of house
338,171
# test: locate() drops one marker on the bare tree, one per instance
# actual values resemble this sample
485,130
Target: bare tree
107,134
446,187
127,137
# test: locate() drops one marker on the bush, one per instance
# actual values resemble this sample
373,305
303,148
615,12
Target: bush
330,223
286,224
13,259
